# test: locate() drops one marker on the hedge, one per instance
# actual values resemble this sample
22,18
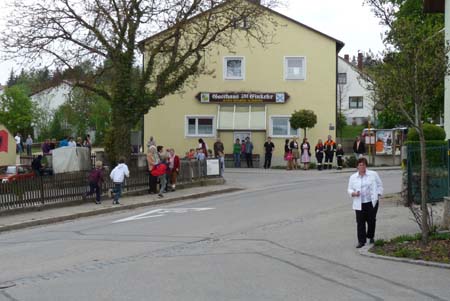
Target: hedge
431,132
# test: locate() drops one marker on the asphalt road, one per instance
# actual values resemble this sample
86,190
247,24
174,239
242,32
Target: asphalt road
288,236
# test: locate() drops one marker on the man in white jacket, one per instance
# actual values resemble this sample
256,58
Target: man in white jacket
365,188
118,175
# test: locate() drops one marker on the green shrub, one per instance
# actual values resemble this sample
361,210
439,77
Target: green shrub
350,161
431,132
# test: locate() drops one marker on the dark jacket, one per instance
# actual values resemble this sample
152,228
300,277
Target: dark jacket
309,148
361,149
96,176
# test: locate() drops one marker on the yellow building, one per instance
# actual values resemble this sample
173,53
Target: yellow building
253,91
7,147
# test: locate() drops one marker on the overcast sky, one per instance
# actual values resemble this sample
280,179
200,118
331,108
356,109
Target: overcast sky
348,21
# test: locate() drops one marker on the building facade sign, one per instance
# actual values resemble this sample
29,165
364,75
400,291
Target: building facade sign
242,97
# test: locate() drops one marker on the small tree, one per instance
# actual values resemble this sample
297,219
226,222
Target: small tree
16,110
303,119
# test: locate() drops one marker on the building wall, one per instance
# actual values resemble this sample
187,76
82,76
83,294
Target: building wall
264,72
9,157
354,87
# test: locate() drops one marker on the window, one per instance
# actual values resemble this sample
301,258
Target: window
241,23
281,127
234,68
294,68
200,126
342,78
355,102
242,117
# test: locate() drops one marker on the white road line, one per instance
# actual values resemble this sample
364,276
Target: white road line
159,213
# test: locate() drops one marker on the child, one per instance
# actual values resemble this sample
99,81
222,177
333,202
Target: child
200,154
95,182
339,156
221,157
160,171
118,175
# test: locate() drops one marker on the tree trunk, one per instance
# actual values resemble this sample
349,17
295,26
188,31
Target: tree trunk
424,188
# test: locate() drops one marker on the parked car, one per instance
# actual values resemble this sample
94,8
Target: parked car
11,173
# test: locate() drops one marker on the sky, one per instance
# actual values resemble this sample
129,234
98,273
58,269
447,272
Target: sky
348,21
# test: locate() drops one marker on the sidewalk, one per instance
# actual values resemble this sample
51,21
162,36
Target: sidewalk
55,215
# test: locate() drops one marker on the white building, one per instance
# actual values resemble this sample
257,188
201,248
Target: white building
52,98
353,97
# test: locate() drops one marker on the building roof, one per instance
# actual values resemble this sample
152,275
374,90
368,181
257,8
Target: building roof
339,44
355,68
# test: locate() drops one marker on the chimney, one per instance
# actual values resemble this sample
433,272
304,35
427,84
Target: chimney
360,61
347,58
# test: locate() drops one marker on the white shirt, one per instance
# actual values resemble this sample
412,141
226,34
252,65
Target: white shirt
72,144
119,173
17,138
369,185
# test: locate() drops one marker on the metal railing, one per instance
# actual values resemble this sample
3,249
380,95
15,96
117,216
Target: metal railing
437,173
70,187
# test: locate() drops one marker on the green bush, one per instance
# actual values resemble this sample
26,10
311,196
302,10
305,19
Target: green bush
431,132
350,161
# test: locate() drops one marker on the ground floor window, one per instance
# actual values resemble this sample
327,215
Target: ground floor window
281,127
242,117
201,126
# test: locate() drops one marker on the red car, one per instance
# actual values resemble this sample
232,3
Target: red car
10,173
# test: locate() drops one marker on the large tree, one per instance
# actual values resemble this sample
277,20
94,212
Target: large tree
411,75
66,32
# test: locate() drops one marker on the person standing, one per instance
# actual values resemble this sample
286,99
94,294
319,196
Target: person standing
249,152
218,147
359,147
18,139
269,148
87,142
330,149
95,182
340,156
29,144
319,154
152,160
287,155
202,144
295,152
151,141
237,153
118,175
174,166
365,188
306,153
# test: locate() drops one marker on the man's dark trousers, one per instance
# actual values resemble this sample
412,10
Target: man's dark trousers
268,160
249,159
367,214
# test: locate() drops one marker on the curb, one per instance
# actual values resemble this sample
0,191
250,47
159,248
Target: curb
364,251
58,219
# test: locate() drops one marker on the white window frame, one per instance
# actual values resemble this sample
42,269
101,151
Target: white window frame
289,135
343,82
225,73
285,63
186,125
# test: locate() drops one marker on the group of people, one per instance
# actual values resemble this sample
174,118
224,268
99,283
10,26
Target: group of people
163,167
20,144
243,149
49,145
324,153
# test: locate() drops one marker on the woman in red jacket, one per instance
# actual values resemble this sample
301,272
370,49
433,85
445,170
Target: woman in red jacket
174,165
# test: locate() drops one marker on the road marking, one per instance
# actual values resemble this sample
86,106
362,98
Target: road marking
159,213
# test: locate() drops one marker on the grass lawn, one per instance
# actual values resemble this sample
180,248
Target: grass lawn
409,246
351,131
